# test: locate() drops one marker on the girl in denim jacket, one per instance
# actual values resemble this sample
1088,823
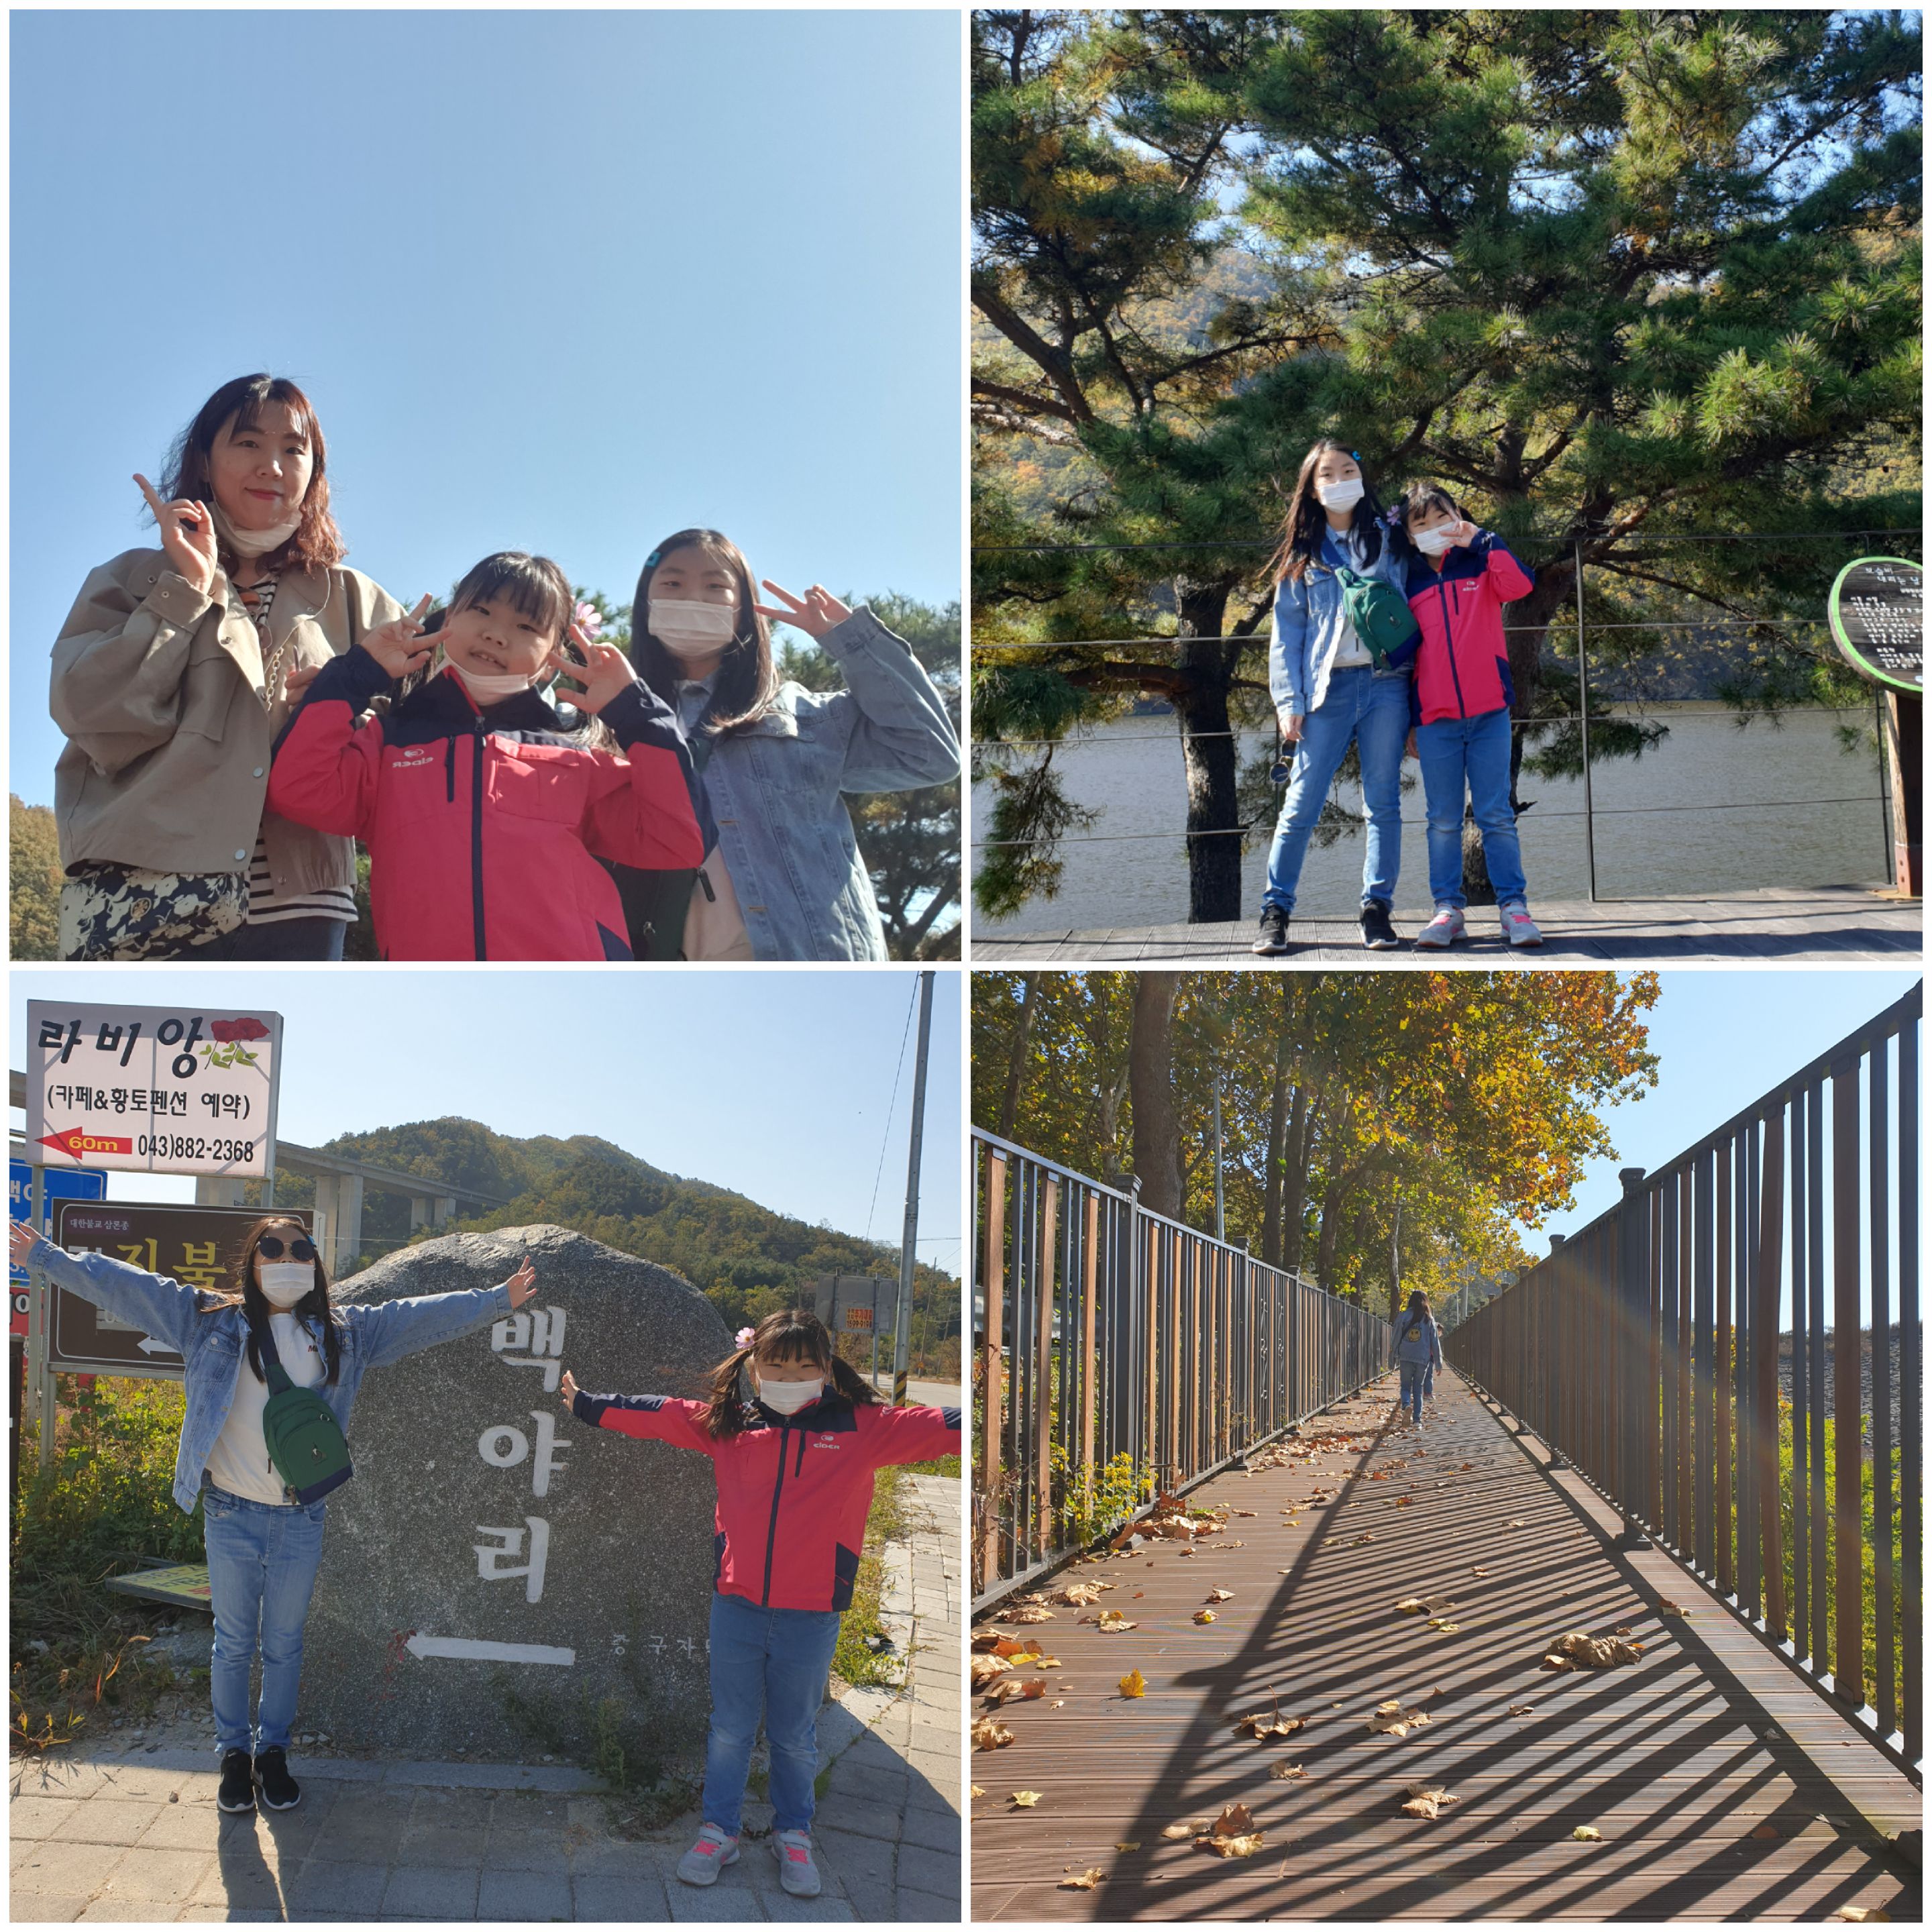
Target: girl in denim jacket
263,1548
784,878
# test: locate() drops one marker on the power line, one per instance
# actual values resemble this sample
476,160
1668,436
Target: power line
885,1139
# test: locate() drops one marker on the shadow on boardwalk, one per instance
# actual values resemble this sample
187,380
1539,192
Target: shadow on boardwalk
1699,1766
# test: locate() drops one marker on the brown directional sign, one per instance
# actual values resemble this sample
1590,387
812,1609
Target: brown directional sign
192,1244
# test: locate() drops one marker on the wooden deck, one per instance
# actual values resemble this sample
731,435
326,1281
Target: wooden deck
1831,925
1723,1786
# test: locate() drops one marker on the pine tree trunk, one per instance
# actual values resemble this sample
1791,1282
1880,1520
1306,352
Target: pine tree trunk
1156,1123
1277,1146
1295,1183
1016,1052
1207,748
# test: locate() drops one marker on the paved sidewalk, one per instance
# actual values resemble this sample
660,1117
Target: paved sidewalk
136,1835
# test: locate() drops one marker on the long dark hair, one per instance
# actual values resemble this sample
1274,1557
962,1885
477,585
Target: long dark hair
747,684
313,1307
316,543
1417,500
790,1335
1302,528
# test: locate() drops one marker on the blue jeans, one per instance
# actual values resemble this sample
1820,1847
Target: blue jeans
262,1562
775,1662
1371,710
1412,1386
1475,751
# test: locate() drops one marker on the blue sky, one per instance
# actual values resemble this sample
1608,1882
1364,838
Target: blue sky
559,281
778,1085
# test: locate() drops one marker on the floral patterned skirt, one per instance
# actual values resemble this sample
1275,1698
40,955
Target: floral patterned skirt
120,912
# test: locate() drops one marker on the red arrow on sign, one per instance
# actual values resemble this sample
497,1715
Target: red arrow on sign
77,1143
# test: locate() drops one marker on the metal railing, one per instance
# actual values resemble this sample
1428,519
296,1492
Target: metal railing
1710,1352
1118,1351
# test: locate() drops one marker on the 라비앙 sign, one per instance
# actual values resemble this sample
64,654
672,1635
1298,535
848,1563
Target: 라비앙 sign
158,1090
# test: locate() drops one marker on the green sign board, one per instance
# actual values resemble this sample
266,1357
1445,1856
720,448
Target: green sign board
1877,612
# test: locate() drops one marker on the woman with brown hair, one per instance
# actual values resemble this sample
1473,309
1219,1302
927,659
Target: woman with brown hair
264,1543
782,876
170,680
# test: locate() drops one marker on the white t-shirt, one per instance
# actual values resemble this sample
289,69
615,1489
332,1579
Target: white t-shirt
1350,651
239,1463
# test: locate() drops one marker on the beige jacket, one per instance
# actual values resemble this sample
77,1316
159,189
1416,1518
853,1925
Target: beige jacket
158,687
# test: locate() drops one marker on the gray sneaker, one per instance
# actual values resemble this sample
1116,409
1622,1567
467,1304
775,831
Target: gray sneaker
1444,930
705,1859
797,1872
1519,929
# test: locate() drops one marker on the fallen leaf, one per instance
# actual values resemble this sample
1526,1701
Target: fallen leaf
988,1640
977,1790
1516,1524
1765,1831
1081,1593
1027,1800
1219,1596
1128,1845
1389,1719
1058,1703
1478,1572
1522,1711
1039,1614
1861,1915
1112,1623
1133,1684
989,1734
1005,1693
1411,1607
1186,1830
1468,1465
1427,1800
1442,1623
1234,1818
1243,1846
1265,1724
1586,1833
1577,1650
1034,1686
1282,1769
986,1667
1203,1616
1403,1502
1668,1609
1082,1881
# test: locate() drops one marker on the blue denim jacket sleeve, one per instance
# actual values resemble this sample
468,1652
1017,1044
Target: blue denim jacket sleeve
1288,649
898,733
386,1331
163,1308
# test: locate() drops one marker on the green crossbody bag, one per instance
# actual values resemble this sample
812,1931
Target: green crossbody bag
306,1444
1379,612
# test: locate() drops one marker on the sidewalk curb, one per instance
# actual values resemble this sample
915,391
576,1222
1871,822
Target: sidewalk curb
848,1716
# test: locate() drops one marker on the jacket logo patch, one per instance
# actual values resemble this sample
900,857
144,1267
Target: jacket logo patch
408,760
823,1442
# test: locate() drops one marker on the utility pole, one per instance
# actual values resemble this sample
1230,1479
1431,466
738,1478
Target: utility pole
902,1328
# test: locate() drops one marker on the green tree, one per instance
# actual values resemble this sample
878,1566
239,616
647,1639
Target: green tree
1613,278
34,897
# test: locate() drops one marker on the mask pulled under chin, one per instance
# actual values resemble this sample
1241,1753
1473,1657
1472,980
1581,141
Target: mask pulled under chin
675,621
788,1398
284,1283
488,687
253,543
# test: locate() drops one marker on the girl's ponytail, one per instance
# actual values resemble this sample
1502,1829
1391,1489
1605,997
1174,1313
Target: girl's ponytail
852,1385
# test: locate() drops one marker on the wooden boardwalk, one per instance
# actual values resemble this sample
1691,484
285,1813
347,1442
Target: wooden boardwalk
1833,924
1722,1785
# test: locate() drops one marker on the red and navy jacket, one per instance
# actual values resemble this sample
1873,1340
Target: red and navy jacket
1461,656
484,827
792,1490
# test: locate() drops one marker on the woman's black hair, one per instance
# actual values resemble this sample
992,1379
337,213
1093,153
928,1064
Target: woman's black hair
314,1307
1303,527
747,684
788,1335
1417,500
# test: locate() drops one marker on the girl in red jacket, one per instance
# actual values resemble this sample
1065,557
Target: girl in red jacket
484,818
1458,578
794,1436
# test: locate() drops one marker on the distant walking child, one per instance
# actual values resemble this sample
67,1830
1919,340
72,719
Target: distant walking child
485,818
1458,578
794,1436
1418,1351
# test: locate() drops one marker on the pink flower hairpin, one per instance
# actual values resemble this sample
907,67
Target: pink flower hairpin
589,620
746,1336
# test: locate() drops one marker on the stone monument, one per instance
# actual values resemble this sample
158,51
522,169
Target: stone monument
498,1580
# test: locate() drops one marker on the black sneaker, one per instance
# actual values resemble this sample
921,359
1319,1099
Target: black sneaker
279,1792
1273,937
237,1783
1378,932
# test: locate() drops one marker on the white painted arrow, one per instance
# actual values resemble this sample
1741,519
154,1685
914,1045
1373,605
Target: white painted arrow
148,1345
481,1649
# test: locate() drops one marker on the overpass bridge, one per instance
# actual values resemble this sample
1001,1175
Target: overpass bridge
1629,1629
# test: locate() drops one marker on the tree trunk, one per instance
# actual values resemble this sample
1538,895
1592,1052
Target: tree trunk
1330,1239
1156,1123
1277,1146
1294,1184
1016,1051
1208,749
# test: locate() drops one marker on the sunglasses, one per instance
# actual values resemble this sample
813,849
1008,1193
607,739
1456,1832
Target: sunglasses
269,1247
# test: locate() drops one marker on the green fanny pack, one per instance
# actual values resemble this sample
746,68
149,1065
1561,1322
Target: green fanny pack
306,1444
1379,612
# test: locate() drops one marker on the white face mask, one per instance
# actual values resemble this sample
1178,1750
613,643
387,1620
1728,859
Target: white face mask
1343,496
489,687
1432,542
254,543
678,622
788,1398
284,1283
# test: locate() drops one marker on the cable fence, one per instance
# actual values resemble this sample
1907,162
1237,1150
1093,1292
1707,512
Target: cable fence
1118,1353
1732,1355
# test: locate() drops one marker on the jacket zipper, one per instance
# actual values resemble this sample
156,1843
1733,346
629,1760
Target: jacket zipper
476,840
449,770
772,1529
1449,644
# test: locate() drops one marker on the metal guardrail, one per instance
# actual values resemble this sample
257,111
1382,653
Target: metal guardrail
1117,1352
1650,1350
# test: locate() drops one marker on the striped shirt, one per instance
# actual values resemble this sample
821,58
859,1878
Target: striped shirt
266,908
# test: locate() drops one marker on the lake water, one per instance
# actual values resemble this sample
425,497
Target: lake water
1713,810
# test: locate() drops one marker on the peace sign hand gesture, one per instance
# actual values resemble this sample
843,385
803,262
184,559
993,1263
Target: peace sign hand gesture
398,646
816,612
605,674
187,536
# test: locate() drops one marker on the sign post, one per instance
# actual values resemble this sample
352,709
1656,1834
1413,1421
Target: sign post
1876,611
